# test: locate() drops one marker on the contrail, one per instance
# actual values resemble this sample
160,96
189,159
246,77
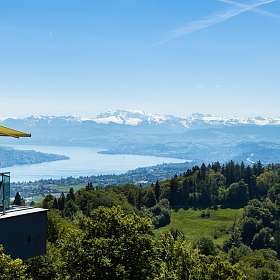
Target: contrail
256,10
212,20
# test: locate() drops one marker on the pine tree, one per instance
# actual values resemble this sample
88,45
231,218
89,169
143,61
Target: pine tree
259,168
70,209
55,203
131,198
71,195
203,170
157,191
89,186
173,192
248,174
149,198
242,170
61,202
139,201
18,200
216,166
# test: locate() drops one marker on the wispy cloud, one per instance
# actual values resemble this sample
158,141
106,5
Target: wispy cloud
214,19
255,10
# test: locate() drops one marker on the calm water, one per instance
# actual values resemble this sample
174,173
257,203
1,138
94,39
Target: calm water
83,162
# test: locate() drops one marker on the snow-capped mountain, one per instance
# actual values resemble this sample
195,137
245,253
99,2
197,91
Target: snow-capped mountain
135,118
197,136
207,119
138,118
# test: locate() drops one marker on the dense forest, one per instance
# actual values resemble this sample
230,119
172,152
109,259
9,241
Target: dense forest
111,232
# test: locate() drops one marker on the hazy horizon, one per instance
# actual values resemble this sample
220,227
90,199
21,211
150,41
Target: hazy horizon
97,113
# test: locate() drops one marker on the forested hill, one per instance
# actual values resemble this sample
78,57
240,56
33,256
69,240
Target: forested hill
114,232
10,157
229,185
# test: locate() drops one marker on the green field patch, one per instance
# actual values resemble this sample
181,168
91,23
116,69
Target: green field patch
192,223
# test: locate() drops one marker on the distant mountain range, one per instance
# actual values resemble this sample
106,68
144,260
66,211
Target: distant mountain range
196,120
141,118
200,137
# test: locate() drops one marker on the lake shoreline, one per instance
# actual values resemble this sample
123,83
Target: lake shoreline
11,157
81,161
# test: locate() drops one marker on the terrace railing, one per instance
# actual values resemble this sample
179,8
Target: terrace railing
4,192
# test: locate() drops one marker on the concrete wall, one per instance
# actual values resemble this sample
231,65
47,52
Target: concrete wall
24,236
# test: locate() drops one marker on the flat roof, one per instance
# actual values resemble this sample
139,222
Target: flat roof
19,211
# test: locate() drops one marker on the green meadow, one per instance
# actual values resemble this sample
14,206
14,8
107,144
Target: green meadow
194,226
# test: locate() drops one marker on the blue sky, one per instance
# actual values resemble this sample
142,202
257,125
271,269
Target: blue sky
180,56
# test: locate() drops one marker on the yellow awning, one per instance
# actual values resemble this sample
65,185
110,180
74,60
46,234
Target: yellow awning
5,131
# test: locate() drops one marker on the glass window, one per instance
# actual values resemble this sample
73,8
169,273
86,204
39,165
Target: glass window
5,190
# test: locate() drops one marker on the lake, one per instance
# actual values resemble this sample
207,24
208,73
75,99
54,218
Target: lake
84,161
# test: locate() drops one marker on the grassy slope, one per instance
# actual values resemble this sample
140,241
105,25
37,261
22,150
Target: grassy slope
193,226
191,223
